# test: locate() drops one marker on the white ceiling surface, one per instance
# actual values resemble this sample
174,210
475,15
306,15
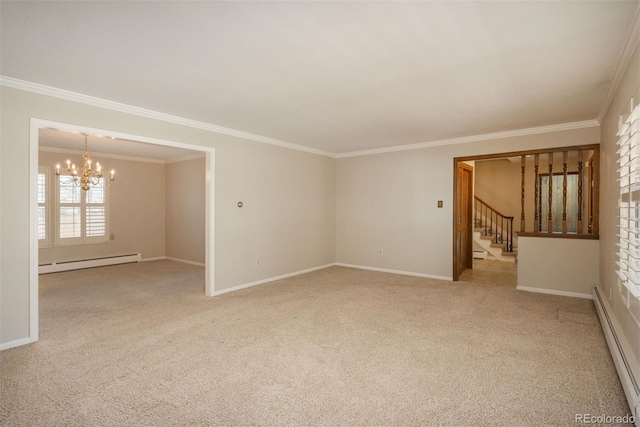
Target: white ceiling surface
335,76
74,142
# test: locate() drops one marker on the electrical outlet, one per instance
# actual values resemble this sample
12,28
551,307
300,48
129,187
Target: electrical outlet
257,262
380,252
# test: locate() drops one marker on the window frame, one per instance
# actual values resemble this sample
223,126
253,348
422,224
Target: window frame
628,255
47,241
83,239
557,201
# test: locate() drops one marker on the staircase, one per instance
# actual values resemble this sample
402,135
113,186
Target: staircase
493,231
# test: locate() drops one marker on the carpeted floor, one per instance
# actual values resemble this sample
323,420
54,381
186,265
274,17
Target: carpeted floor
140,344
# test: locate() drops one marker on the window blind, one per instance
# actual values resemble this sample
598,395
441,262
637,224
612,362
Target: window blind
628,255
42,205
82,215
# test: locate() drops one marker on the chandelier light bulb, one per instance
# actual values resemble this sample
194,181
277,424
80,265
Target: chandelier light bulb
88,177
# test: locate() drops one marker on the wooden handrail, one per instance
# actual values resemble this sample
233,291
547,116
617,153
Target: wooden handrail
491,207
495,223
569,205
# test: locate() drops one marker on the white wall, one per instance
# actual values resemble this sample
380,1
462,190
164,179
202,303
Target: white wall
627,317
185,210
389,202
136,211
289,196
561,266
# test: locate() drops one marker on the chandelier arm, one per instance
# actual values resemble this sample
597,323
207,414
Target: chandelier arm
85,176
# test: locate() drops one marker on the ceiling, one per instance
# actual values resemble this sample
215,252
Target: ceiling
68,142
334,76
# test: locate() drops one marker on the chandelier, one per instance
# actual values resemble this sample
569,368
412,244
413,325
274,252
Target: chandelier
85,177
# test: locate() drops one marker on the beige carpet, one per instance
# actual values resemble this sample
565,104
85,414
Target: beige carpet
140,344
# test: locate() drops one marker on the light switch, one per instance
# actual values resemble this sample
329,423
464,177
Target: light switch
439,203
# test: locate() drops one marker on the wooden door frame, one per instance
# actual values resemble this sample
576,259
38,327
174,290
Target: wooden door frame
595,191
457,163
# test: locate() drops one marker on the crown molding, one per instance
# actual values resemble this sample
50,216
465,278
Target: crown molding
115,106
104,155
185,158
475,138
142,112
623,63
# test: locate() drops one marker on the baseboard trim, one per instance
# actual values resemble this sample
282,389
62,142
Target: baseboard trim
184,261
157,258
271,279
387,270
16,343
57,267
627,367
554,292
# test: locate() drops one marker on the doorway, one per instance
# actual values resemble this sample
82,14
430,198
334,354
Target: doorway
463,244
35,126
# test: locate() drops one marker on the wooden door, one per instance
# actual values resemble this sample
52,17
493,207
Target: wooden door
464,216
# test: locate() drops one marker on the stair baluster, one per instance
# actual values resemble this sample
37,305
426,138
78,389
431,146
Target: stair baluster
494,224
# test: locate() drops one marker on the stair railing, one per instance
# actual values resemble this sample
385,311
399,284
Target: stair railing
495,223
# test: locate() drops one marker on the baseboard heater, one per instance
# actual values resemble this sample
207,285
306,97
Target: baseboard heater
626,365
56,267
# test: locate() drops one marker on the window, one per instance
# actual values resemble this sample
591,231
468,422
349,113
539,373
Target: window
629,204
43,207
556,203
81,215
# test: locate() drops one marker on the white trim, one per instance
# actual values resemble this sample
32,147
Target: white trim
90,263
157,258
33,231
34,126
626,365
75,128
474,138
105,155
623,63
184,261
123,108
121,157
137,111
271,279
0,246
210,223
386,270
554,292
16,343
